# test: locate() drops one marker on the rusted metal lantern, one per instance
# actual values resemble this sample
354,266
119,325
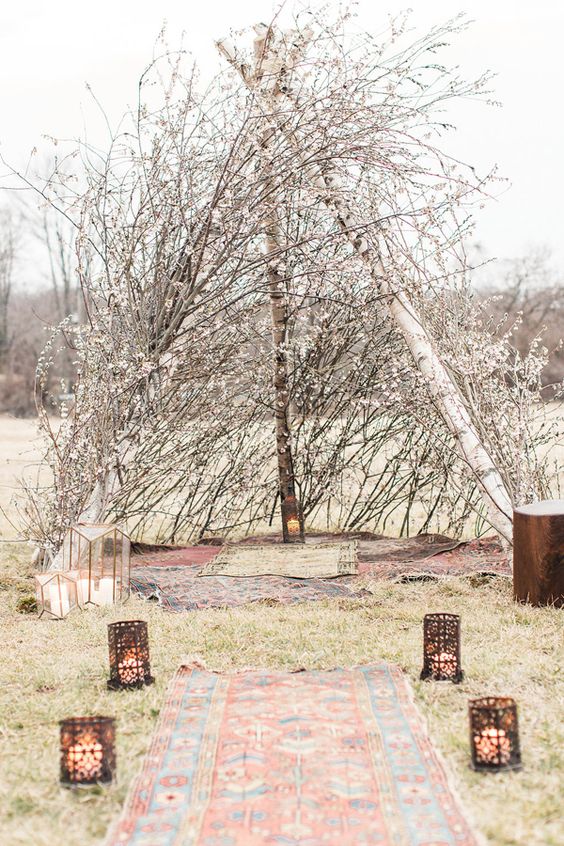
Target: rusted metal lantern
441,648
292,521
101,555
494,734
87,751
56,594
130,667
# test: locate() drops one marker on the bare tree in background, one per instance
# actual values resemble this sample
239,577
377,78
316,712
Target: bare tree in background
65,297
7,257
30,309
526,296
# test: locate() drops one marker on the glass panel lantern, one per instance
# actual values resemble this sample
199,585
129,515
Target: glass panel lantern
56,594
100,553
87,751
292,521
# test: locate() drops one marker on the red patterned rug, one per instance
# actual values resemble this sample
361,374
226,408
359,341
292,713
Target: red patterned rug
185,556
320,758
179,588
481,555
171,575
383,557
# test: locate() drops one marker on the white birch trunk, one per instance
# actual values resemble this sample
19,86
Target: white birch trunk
441,387
281,389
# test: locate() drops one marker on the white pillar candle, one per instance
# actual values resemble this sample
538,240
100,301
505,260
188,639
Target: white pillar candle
83,596
493,746
105,595
59,599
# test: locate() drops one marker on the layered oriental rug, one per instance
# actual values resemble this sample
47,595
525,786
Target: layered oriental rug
387,559
390,558
306,561
322,758
171,576
180,589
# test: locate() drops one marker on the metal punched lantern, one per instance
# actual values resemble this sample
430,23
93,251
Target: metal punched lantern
292,521
101,554
87,751
56,594
441,648
130,666
494,734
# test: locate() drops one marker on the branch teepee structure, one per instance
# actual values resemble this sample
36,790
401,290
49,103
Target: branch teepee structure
280,94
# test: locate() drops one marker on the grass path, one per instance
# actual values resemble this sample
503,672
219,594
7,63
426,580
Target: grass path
59,669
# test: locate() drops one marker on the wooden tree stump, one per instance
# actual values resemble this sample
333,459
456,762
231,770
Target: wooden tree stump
538,553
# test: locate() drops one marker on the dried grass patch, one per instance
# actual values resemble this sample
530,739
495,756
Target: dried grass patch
58,669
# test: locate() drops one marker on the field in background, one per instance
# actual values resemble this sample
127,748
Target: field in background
20,455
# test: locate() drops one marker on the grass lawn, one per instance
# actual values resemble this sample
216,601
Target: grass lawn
58,669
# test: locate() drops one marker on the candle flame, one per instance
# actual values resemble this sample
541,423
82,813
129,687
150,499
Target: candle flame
84,758
130,668
493,746
293,525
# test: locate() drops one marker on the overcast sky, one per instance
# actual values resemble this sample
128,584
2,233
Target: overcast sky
49,50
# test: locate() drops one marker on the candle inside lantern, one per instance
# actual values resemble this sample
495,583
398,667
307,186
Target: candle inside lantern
85,591
59,599
492,746
444,663
494,734
130,668
85,758
292,520
441,648
87,751
293,525
130,665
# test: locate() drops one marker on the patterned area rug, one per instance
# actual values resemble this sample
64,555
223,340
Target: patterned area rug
171,576
481,555
185,556
370,546
180,589
337,758
305,561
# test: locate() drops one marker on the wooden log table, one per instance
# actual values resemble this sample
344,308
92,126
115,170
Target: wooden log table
538,553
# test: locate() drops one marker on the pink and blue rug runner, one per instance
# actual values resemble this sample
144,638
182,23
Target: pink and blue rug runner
319,758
